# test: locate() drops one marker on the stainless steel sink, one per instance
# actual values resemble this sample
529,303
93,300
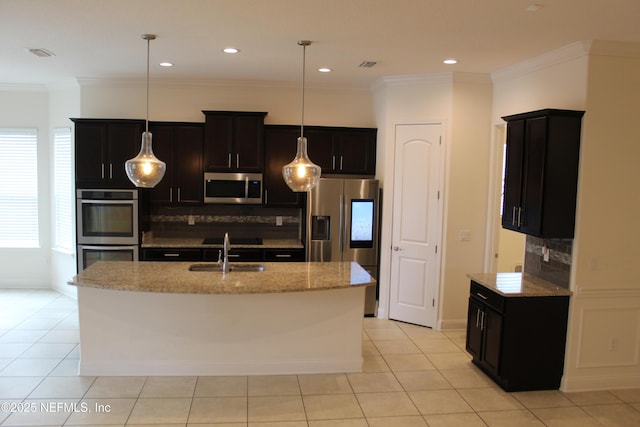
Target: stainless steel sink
240,267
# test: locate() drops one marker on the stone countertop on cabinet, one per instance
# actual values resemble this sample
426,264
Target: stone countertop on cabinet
175,277
518,285
196,242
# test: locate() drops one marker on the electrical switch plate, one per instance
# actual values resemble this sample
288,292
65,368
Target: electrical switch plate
279,221
464,235
545,253
191,220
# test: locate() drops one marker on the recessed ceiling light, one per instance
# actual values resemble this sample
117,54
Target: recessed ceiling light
166,64
450,61
230,50
324,69
533,7
367,64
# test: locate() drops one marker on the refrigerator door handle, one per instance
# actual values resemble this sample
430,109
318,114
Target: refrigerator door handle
342,232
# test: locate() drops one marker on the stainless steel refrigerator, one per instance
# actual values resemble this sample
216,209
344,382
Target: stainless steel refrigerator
342,225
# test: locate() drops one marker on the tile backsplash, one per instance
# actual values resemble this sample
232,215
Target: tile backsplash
215,220
558,269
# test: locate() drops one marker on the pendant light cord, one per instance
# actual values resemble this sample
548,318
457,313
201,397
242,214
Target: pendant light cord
148,54
304,44
304,48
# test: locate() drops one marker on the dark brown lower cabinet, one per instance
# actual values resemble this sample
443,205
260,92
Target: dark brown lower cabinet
235,254
518,341
171,254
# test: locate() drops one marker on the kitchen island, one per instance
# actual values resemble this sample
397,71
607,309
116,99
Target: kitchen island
160,318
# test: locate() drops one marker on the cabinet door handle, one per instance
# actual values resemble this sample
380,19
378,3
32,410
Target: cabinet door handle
333,162
229,161
482,320
477,318
513,217
179,197
233,255
171,195
110,170
283,255
480,295
171,255
237,160
102,170
341,159
266,197
519,217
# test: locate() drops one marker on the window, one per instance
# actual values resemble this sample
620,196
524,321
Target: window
62,191
19,188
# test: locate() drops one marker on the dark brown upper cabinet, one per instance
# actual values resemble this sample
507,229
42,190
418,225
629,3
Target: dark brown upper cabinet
179,145
102,146
541,172
280,144
233,141
338,150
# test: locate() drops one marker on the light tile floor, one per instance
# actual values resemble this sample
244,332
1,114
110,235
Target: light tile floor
413,376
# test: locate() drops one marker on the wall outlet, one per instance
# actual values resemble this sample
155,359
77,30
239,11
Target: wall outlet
191,220
278,221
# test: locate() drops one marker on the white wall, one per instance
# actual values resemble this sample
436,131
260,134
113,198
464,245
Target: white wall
463,103
28,107
174,101
64,102
604,328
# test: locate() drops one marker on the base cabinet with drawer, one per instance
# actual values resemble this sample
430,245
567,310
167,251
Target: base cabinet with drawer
171,254
518,341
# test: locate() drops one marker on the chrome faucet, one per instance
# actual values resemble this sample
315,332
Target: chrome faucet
223,260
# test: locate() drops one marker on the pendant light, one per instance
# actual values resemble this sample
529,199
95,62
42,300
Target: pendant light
146,170
301,174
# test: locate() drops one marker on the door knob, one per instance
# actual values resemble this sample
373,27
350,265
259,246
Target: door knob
397,248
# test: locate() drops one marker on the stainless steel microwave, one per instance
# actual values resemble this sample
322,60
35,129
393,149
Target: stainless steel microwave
233,188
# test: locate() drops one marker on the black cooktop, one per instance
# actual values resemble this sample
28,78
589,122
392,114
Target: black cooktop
233,240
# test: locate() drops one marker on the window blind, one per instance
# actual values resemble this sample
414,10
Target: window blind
19,188
63,198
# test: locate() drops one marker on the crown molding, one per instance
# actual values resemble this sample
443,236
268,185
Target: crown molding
430,78
23,87
555,57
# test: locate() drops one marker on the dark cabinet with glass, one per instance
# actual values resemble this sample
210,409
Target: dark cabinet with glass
541,172
233,141
179,145
102,146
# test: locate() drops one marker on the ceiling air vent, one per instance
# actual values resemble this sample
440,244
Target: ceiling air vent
42,53
367,64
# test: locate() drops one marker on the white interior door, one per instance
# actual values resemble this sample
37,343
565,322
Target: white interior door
416,224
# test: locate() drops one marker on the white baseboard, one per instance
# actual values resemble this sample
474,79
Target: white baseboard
447,325
599,382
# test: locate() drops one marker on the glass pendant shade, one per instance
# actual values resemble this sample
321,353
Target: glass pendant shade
145,170
301,174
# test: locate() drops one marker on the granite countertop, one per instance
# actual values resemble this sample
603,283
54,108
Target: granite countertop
175,277
196,242
518,285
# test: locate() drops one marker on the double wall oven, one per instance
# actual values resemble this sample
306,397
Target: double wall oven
107,226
